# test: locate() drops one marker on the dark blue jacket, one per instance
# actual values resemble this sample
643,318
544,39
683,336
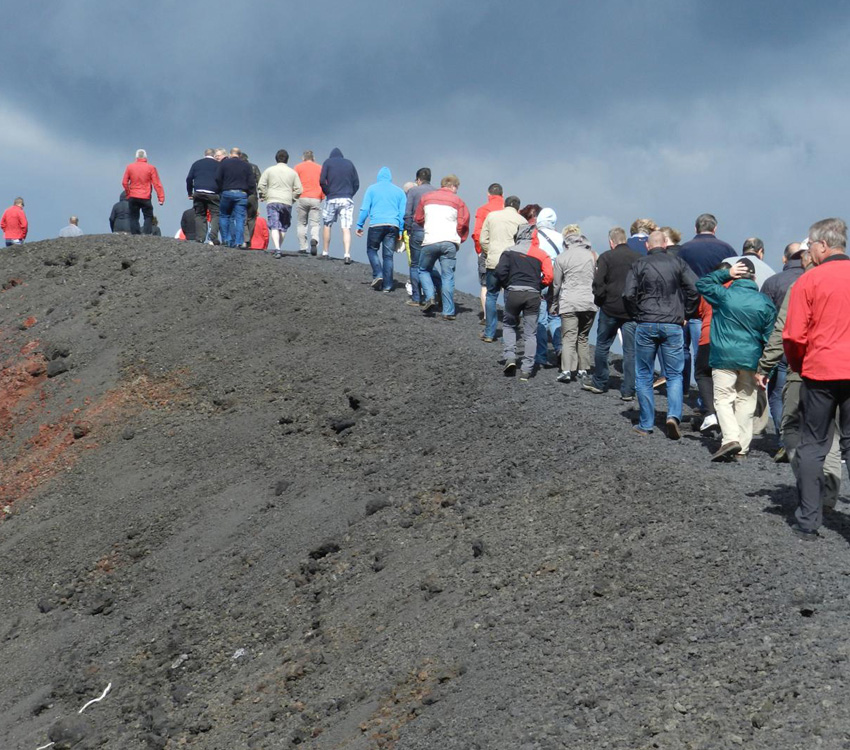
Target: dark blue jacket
776,287
704,253
339,177
202,176
235,174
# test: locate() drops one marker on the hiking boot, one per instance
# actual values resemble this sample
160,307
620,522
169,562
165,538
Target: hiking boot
672,427
448,317
428,306
807,535
277,256
658,383
627,398
640,431
727,451
347,260
781,456
314,247
377,283
592,388
411,303
510,368
524,376
302,252
486,339
563,377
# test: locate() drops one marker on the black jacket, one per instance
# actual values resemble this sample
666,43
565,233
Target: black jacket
119,219
234,174
339,177
776,286
660,288
202,176
610,280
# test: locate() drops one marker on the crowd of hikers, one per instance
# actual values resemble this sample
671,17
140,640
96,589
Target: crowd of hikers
757,342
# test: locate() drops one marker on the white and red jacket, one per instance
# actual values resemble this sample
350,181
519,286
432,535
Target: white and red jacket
817,330
139,177
14,223
444,216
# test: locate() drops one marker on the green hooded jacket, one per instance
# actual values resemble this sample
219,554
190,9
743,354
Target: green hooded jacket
741,322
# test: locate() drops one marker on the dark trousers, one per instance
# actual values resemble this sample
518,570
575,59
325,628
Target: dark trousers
702,374
203,202
251,217
146,207
819,401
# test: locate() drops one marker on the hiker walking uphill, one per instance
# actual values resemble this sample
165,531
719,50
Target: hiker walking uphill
14,223
383,207
140,180
741,322
279,187
339,182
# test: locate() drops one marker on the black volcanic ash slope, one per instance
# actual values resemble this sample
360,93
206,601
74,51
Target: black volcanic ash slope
313,517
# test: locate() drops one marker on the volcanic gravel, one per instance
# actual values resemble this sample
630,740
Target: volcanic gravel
272,507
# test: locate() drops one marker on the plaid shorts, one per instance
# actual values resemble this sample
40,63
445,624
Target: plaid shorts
338,208
280,216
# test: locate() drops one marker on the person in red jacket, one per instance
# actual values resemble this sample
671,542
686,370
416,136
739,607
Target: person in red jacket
523,270
14,223
139,180
816,340
495,202
260,237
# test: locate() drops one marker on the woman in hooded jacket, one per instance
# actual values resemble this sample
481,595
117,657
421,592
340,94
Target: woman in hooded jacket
548,324
572,291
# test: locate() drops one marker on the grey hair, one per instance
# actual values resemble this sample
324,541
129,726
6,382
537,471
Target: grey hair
141,153
832,232
753,244
209,152
617,235
705,223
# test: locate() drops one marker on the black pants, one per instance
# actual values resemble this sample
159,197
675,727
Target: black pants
146,207
819,400
702,374
203,202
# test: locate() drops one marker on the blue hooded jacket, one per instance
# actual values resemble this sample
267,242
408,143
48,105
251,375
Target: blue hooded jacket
383,203
339,177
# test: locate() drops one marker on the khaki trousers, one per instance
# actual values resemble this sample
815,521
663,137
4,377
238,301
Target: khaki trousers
735,396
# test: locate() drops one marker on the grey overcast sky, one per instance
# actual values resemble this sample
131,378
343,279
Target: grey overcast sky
605,111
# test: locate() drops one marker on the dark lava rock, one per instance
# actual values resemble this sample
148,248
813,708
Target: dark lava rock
128,433
46,605
281,487
339,425
56,350
69,732
80,431
328,548
375,504
57,367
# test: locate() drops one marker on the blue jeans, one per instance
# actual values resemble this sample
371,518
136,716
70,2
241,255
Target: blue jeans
775,386
383,238
606,332
490,311
547,325
415,237
446,253
669,339
231,219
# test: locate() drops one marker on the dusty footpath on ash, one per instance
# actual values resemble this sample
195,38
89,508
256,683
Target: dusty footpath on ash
270,507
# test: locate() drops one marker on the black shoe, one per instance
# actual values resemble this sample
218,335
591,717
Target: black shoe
346,260
278,256
524,376
302,252
563,377
510,368
449,317
377,283
672,427
781,456
428,306
314,247
807,535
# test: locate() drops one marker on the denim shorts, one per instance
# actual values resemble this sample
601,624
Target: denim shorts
280,216
338,208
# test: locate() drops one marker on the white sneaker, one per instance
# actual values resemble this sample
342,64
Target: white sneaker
709,423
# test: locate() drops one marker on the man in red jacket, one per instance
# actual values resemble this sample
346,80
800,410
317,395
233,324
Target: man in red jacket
139,178
14,223
495,202
817,345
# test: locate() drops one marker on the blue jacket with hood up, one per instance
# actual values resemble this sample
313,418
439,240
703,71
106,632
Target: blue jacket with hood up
383,203
339,177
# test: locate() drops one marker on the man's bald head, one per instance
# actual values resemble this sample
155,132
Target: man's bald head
656,239
790,251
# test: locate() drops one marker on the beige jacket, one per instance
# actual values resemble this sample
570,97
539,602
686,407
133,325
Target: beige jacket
498,233
279,184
